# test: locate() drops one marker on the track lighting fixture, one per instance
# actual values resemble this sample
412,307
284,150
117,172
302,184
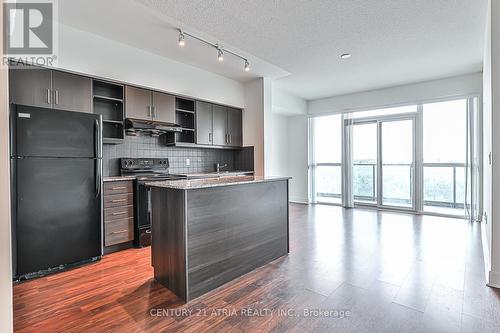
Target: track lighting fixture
220,55
220,50
181,39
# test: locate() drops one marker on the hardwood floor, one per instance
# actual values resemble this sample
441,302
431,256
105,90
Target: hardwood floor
388,272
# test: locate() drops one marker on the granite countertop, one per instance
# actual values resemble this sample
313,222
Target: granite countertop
213,182
215,174
117,178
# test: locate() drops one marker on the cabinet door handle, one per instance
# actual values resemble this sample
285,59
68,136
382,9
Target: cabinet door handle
119,213
209,137
229,138
149,111
119,200
154,112
56,97
48,96
119,232
119,188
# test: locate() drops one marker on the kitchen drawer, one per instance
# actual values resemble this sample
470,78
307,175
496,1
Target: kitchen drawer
119,231
118,213
111,188
118,200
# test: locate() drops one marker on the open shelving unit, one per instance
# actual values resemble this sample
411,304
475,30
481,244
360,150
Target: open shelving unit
185,110
108,102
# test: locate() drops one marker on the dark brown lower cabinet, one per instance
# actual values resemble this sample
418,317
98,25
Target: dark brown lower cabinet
118,215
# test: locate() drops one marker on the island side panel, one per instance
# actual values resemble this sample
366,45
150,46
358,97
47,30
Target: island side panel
232,230
168,246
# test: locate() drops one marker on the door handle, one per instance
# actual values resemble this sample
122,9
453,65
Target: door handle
148,231
149,111
154,111
56,97
119,232
229,138
48,96
119,213
119,200
209,137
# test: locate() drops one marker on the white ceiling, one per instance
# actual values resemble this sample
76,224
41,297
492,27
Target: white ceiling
299,42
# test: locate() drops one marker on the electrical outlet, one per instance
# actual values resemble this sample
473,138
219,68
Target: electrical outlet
188,162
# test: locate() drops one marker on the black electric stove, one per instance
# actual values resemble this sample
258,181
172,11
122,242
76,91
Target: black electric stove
145,170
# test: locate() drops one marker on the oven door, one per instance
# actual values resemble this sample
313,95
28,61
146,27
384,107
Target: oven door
142,234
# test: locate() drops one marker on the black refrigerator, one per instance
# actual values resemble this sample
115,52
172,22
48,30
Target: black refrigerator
56,163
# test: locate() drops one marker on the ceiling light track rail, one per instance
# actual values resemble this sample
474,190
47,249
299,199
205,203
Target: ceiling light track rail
220,49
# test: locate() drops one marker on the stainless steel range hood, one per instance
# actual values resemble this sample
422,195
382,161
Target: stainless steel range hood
153,128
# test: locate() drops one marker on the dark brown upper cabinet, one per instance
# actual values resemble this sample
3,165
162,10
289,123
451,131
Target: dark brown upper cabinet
71,92
203,123
146,104
234,127
163,107
138,103
47,88
218,125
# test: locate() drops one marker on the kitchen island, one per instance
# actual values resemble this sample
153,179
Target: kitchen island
208,232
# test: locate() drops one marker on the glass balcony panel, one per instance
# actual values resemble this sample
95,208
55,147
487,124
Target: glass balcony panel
397,189
364,187
328,184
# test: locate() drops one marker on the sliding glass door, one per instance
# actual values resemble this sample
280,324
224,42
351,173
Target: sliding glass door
397,161
364,168
383,161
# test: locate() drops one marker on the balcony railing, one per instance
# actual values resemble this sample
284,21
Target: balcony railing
443,183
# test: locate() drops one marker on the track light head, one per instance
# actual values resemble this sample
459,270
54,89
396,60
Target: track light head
181,39
220,55
247,66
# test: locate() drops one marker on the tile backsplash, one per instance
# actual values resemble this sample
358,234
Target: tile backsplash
201,159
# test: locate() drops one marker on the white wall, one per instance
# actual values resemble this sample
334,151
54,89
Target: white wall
286,142
253,121
298,163
84,52
470,84
5,254
492,102
276,145
286,104
487,145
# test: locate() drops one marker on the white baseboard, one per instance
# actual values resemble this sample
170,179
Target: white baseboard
486,252
493,279
298,200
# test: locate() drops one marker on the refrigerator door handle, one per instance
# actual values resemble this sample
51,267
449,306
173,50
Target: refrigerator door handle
96,139
98,157
98,177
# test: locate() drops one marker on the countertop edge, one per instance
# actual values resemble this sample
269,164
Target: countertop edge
204,186
117,179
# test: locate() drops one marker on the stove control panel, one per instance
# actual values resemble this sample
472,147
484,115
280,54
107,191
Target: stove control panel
144,163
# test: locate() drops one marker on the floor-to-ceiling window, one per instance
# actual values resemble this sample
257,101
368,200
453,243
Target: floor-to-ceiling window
327,152
444,156
413,157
